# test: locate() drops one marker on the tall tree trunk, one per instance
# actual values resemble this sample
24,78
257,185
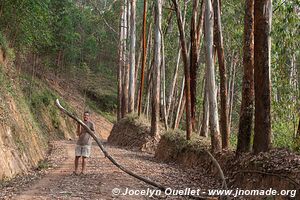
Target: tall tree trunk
176,120
298,132
121,63
144,57
246,114
223,75
149,64
262,79
231,91
200,25
124,108
172,86
147,106
186,71
194,63
157,63
163,85
199,121
132,55
213,107
173,106
205,119
181,111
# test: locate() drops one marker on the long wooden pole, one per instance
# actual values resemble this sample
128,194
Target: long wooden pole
99,143
111,159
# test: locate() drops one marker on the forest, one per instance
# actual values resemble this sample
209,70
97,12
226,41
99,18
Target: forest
224,70
210,85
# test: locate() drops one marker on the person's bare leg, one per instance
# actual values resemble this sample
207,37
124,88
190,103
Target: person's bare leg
83,164
76,164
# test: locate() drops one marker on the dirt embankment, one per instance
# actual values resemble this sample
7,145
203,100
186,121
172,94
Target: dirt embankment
23,136
134,133
278,169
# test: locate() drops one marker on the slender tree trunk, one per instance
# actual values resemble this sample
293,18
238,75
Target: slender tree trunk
172,86
176,123
157,63
147,106
137,65
223,75
132,55
125,67
199,121
121,64
200,25
173,106
144,57
150,75
205,119
213,107
231,92
163,85
181,111
194,63
298,132
186,71
246,114
262,79
149,78
163,73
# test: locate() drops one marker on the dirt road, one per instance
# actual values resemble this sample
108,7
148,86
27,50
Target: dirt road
102,176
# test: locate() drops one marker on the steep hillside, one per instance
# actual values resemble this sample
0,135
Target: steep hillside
28,120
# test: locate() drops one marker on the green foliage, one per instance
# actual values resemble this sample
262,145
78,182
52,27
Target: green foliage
7,52
43,164
75,38
16,137
41,104
6,84
178,138
68,36
285,53
94,106
3,42
1,75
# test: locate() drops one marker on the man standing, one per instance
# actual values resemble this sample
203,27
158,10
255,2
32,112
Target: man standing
84,143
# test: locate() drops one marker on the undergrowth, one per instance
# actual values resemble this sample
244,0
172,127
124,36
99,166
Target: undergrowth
178,138
41,101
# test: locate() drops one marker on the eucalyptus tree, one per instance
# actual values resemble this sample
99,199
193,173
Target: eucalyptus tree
210,78
246,113
218,37
155,115
262,79
132,56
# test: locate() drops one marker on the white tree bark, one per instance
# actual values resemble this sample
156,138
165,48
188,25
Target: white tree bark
213,107
132,55
179,102
205,119
163,84
157,63
125,61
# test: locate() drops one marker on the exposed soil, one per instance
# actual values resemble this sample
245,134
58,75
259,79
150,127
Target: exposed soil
133,132
102,176
69,92
278,169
